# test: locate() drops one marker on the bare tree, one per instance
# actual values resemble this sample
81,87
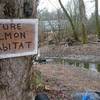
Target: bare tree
97,19
15,72
70,20
83,20
73,10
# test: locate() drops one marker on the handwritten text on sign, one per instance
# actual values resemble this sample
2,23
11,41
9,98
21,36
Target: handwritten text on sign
18,37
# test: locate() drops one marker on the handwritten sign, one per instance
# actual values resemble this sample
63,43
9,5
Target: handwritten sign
18,37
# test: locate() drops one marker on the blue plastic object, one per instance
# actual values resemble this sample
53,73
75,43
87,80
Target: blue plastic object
87,95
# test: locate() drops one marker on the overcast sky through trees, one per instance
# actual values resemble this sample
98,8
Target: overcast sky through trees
52,5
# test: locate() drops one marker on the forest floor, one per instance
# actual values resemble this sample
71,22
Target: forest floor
61,50
62,81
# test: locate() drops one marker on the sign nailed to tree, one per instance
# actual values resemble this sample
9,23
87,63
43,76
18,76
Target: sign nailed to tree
18,37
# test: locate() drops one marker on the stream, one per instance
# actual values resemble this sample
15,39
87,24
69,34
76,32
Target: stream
93,66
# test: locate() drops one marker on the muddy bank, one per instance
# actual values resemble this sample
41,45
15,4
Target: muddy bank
86,49
87,52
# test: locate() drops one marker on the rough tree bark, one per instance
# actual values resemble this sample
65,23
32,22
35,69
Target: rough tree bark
15,72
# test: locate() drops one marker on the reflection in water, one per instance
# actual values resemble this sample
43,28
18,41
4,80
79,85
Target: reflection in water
91,66
86,65
98,67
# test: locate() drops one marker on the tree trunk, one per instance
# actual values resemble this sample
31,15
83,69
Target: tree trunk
83,21
15,72
70,20
97,19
